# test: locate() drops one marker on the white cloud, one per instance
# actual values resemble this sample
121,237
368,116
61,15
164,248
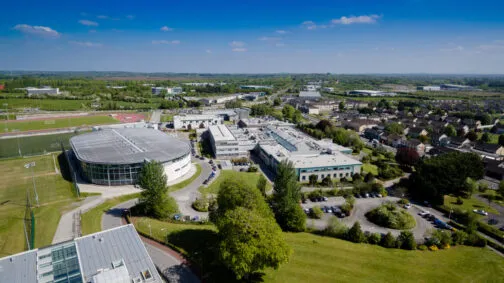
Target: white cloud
237,44
86,43
88,23
455,49
239,49
266,38
165,28
37,30
309,25
130,17
280,31
371,19
166,42
103,17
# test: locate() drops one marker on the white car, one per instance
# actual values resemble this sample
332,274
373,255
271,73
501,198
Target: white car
408,205
424,213
480,211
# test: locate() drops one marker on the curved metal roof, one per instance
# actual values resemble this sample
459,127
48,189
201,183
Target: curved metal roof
127,146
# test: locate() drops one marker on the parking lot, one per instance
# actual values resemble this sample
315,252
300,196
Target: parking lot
361,207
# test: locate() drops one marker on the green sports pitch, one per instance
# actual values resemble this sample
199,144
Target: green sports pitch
54,195
46,124
33,145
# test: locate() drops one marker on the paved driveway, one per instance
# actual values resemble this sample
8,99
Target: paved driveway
362,206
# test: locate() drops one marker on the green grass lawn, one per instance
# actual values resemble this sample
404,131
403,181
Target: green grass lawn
494,138
247,178
32,145
166,118
55,195
91,220
367,150
468,205
498,199
70,105
322,259
184,183
59,123
370,168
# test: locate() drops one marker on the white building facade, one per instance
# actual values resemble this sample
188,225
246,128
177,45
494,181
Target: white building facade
183,122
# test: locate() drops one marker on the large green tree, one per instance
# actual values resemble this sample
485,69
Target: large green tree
250,242
450,131
394,128
286,198
154,199
261,184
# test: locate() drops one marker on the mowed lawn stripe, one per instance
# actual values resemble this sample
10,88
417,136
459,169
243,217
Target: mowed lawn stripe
58,123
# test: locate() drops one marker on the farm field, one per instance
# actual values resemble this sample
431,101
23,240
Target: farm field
248,178
45,124
33,145
55,195
320,259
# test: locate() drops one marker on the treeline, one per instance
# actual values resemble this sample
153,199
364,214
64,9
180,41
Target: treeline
325,129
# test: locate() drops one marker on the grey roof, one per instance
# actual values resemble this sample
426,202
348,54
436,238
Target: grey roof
19,268
127,146
99,250
309,94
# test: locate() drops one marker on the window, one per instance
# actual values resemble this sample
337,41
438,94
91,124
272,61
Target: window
335,175
303,178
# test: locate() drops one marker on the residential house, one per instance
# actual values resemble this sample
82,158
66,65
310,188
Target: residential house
417,145
440,150
452,120
488,150
472,124
373,134
417,132
463,128
439,140
494,169
393,140
458,142
359,125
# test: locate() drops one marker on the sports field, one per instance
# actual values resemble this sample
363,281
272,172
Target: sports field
317,259
33,145
20,126
55,194
248,178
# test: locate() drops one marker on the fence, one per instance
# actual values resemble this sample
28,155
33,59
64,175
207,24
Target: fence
71,172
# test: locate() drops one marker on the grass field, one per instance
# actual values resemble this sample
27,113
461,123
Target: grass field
247,178
55,194
91,220
468,205
69,105
33,145
494,138
184,183
322,259
370,168
166,118
58,123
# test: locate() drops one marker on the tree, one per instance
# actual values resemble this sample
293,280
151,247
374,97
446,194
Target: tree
250,242
288,111
501,139
326,181
407,156
470,186
261,184
355,233
277,101
461,133
450,131
323,125
406,240
356,177
394,128
341,106
233,104
485,137
286,198
388,241
369,178
335,228
485,119
472,136
312,179
154,199
423,139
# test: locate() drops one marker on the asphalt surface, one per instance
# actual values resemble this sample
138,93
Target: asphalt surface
362,206
172,267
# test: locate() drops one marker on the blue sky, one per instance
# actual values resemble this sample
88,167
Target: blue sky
408,36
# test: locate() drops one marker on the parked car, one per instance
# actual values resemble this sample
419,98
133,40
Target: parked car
211,161
243,170
493,221
205,182
501,228
424,213
379,195
202,158
324,198
480,211
407,206
327,209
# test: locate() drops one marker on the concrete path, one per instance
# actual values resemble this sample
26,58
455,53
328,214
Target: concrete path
155,117
166,260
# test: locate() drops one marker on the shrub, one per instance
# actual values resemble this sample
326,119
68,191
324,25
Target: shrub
346,208
440,238
483,187
253,168
433,248
335,228
350,200
459,237
459,200
388,241
403,201
374,238
315,194
388,215
406,241
422,247
317,212
475,240
355,233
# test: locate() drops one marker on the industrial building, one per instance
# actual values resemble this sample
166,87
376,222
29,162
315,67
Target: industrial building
196,121
370,93
115,255
309,95
256,87
116,156
429,88
274,141
169,90
43,90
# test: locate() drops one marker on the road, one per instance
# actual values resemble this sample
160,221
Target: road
186,196
155,117
170,265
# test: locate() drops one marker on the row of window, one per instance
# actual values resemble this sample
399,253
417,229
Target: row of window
325,169
335,175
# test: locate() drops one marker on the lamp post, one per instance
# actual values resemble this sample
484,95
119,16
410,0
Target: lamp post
31,165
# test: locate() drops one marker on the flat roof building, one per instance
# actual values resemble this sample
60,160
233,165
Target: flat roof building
196,121
371,93
309,94
43,90
116,156
115,255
